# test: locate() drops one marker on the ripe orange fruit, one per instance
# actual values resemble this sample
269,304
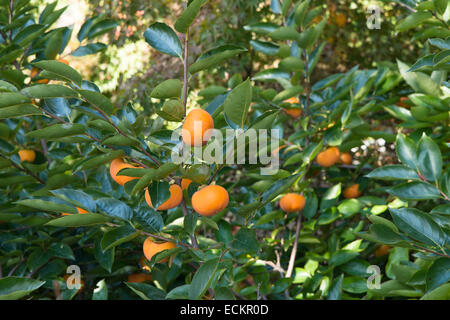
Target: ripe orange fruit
27,155
382,250
195,128
64,61
402,102
292,202
139,277
143,264
151,248
328,157
341,19
352,192
117,165
346,158
34,73
185,183
80,211
292,100
176,196
210,200
294,112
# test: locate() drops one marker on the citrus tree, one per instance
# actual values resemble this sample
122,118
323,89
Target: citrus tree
157,200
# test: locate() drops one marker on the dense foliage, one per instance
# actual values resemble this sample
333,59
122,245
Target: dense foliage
363,186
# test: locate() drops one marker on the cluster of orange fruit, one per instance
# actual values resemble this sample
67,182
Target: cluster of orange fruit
207,201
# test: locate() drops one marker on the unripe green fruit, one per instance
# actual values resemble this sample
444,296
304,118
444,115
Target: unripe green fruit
174,107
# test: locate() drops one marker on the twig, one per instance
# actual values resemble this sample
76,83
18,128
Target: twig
23,169
11,272
290,268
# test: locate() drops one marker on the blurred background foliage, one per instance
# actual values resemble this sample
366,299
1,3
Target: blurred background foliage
128,66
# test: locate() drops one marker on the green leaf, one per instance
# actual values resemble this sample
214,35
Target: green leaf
203,278
100,28
416,190
98,100
57,131
164,39
245,240
440,293
215,56
146,291
311,205
42,205
438,273
13,288
336,288
28,34
100,291
117,236
393,172
285,33
20,110
330,197
413,20
419,81
406,151
188,16
90,48
349,207
61,250
159,192
78,220
170,88
115,208
181,292
418,225
237,103
60,69
429,159
45,91
97,161
104,258
268,48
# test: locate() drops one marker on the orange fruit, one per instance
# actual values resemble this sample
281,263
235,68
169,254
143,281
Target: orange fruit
328,157
294,112
139,277
341,19
185,183
382,250
143,264
402,102
151,248
346,158
80,211
117,165
27,155
210,200
64,61
195,128
292,100
34,73
176,196
352,192
292,202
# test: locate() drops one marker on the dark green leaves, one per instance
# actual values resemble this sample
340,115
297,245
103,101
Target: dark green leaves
429,159
90,48
164,39
170,88
237,103
245,240
13,288
115,208
117,236
393,172
419,226
78,220
43,205
159,193
187,17
60,69
98,100
416,190
57,131
203,278
43,91
406,150
214,57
